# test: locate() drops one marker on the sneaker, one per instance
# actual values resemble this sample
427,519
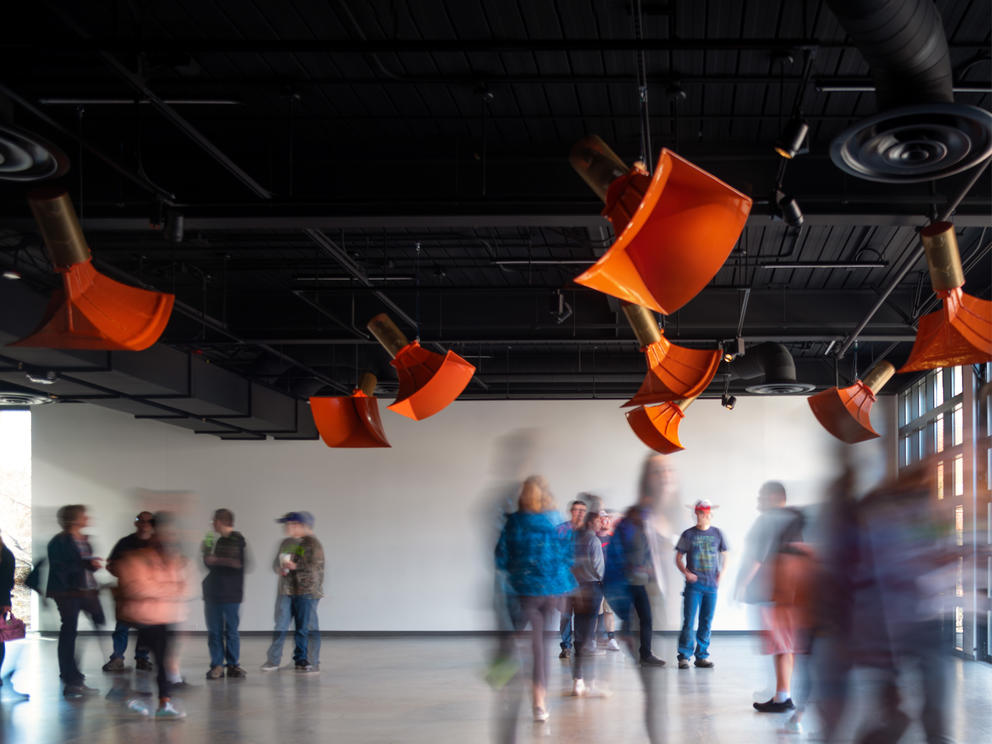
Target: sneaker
541,713
704,663
138,707
236,671
143,665
216,672
268,667
771,706
307,668
612,645
501,671
652,661
115,664
76,691
578,688
565,653
182,684
168,712
592,691
792,726
683,663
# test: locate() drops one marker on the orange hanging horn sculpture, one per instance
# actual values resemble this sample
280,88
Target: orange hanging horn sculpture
961,331
658,426
428,381
674,372
350,420
90,311
674,229
844,412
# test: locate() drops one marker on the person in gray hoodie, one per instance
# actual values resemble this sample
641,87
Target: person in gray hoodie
587,567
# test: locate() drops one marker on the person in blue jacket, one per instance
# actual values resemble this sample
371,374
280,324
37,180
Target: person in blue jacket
537,560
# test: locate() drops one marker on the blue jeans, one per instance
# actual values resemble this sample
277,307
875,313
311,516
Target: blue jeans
120,642
699,600
223,639
302,610
565,626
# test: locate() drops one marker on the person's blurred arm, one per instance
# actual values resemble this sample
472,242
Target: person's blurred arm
501,553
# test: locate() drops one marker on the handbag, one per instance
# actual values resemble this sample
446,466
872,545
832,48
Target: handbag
11,629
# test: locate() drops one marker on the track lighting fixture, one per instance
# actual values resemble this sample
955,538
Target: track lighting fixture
790,143
789,209
728,402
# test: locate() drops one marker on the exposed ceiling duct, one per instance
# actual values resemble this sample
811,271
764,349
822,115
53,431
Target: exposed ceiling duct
774,365
26,157
161,383
919,133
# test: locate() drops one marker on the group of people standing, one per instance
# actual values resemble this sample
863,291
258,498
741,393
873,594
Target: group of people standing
583,568
152,594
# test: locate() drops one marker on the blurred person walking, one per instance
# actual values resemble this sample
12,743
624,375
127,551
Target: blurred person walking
7,564
223,591
152,595
299,563
537,561
700,555
630,567
73,587
586,601
772,537
605,622
567,530
135,541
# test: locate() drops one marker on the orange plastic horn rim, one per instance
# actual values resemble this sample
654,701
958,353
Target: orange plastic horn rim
959,333
92,311
348,421
674,373
429,382
675,230
845,412
658,426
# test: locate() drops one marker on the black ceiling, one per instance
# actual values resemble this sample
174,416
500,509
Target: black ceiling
334,160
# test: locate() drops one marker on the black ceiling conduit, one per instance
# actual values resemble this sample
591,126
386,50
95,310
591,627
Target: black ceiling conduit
774,364
904,44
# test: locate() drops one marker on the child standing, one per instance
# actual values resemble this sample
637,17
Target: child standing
701,557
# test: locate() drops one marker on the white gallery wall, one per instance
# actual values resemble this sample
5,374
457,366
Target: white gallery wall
408,531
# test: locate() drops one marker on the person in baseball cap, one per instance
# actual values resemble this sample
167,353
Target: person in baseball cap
300,517
700,555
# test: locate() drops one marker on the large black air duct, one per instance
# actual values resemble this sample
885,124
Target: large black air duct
774,365
919,133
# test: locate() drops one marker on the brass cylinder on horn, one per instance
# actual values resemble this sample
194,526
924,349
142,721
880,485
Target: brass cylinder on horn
59,227
685,403
598,165
367,383
387,333
943,257
878,375
643,322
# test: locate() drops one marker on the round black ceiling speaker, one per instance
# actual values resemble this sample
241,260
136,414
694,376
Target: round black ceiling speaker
25,157
915,143
22,399
780,388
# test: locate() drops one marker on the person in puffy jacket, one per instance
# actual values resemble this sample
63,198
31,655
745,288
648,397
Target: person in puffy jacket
152,594
537,560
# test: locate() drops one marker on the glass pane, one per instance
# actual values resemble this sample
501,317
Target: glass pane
959,525
919,392
938,432
957,384
959,628
940,480
957,424
904,408
959,584
959,476
938,388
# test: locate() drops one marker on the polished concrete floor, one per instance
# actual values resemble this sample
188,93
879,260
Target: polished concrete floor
431,689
